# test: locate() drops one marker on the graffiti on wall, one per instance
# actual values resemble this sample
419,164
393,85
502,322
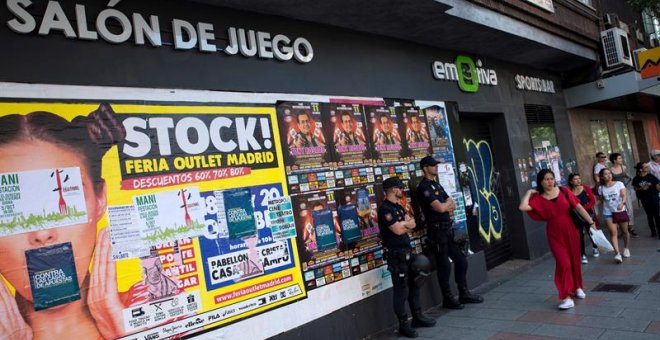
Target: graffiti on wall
480,167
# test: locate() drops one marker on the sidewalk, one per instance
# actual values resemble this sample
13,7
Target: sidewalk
522,303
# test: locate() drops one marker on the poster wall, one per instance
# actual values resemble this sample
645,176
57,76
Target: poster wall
335,200
151,220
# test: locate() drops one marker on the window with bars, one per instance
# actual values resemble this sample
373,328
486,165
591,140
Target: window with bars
589,3
601,136
541,125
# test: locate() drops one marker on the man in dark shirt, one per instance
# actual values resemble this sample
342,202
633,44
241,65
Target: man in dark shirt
438,207
647,187
394,226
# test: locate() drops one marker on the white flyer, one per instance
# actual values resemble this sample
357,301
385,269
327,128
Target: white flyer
282,222
159,312
170,215
41,199
125,233
447,178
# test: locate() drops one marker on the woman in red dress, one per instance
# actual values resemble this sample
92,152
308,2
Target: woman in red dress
550,203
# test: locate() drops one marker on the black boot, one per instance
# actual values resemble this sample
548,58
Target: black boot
467,297
449,300
420,320
405,329
633,233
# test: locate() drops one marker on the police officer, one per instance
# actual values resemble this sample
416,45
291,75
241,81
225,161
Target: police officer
437,207
394,226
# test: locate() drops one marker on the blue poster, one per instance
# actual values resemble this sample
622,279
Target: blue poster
350,224
216,244
52,273
240,214
324,228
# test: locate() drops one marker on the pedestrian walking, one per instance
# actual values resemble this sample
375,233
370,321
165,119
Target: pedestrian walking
551,204
588,201
612,195
620,174
647,187
601,163
654,164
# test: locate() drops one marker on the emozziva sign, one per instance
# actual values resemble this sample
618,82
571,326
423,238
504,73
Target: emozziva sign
466,72
117,27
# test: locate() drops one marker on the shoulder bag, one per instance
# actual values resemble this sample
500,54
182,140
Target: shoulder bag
575,216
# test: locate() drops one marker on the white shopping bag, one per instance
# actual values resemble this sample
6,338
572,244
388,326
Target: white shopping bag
600,240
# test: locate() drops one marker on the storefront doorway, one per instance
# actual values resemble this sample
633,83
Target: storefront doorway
482,147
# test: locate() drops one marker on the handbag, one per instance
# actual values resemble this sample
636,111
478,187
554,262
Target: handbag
578,221
620,216
600,240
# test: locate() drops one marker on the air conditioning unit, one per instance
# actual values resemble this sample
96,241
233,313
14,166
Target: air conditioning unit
654,42
636,64
616,48
611,20
624,27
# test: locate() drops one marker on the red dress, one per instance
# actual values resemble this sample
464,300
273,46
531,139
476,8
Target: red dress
563,238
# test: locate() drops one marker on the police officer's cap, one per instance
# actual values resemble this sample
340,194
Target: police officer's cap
392,182
428,161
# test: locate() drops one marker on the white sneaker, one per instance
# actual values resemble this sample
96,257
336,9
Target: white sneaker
567,304
626,252
584,259
596,253
579,293
618,258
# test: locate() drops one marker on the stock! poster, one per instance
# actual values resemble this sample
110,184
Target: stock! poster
150,220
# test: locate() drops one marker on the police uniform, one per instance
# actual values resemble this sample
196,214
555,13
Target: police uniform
400,264
441,233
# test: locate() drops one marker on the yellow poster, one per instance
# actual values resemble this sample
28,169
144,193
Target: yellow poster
140,221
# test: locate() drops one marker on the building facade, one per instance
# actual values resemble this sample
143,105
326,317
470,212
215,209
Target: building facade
497,70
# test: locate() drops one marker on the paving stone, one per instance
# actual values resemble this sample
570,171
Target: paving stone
614,323
446,333
498,314
623,335
488,324
640,314
556,318
568,332
654,327
518,336
524,297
